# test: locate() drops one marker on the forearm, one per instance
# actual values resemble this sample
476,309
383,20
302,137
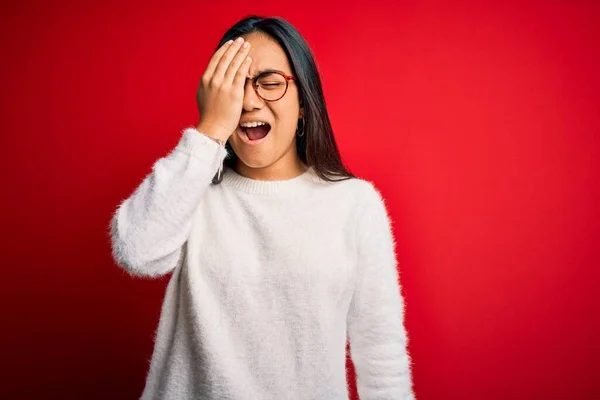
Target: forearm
150,227
378,338
378,343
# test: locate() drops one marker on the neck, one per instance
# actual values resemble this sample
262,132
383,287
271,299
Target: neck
283,169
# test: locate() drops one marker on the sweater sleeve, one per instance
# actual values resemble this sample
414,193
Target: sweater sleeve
149,229
378,339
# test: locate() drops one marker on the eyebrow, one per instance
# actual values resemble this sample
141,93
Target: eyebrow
264,71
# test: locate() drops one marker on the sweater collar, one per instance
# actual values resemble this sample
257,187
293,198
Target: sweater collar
306,180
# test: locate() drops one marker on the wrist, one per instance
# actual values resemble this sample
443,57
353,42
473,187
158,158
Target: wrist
212,132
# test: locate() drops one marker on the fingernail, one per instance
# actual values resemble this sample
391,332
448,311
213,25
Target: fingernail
245,45
239,40
229,41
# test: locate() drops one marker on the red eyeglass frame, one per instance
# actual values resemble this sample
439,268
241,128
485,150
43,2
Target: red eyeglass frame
288,78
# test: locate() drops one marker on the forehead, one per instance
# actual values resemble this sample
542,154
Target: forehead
266,54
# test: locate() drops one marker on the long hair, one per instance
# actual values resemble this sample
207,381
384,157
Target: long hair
316,147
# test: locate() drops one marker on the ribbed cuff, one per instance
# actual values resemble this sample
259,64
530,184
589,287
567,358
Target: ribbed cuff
196,144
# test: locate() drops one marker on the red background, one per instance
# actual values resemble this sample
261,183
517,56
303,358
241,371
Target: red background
479,123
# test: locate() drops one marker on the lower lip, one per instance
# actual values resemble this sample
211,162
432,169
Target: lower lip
247,140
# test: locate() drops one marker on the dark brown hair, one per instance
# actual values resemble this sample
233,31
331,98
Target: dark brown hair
316,147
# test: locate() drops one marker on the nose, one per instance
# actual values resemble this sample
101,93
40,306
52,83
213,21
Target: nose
251,99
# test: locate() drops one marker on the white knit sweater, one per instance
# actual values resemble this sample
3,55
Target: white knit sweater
268,279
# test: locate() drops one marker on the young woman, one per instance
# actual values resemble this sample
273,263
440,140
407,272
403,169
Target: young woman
278,254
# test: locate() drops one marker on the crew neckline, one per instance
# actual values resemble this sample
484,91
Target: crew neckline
304,181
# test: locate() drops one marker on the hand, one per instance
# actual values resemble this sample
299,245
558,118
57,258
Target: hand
221,91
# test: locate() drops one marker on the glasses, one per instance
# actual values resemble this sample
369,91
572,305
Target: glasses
271,85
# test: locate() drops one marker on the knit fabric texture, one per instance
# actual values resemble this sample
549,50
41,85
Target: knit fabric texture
269,281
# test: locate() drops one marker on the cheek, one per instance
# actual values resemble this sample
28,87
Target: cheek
287,117
234,140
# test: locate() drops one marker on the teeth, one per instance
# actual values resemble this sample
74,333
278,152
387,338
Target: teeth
252,124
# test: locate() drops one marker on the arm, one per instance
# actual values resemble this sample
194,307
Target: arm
378,339
150,228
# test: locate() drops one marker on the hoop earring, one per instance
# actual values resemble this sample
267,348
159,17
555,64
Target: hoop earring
300,130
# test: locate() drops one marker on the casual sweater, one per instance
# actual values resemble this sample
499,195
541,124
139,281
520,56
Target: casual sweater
270,279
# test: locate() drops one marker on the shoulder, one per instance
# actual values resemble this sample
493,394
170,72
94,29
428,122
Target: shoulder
363,191
364,196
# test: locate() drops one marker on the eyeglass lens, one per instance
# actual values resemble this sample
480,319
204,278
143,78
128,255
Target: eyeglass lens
271,86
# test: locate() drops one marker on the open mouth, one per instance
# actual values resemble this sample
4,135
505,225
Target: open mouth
256,132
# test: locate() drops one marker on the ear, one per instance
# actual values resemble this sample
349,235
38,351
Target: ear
302,110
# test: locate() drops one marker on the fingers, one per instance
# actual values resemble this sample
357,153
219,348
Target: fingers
219,74
239,79
214,61
236,62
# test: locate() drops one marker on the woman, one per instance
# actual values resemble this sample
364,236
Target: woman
277,252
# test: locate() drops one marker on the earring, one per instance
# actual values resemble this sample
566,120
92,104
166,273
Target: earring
300,130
